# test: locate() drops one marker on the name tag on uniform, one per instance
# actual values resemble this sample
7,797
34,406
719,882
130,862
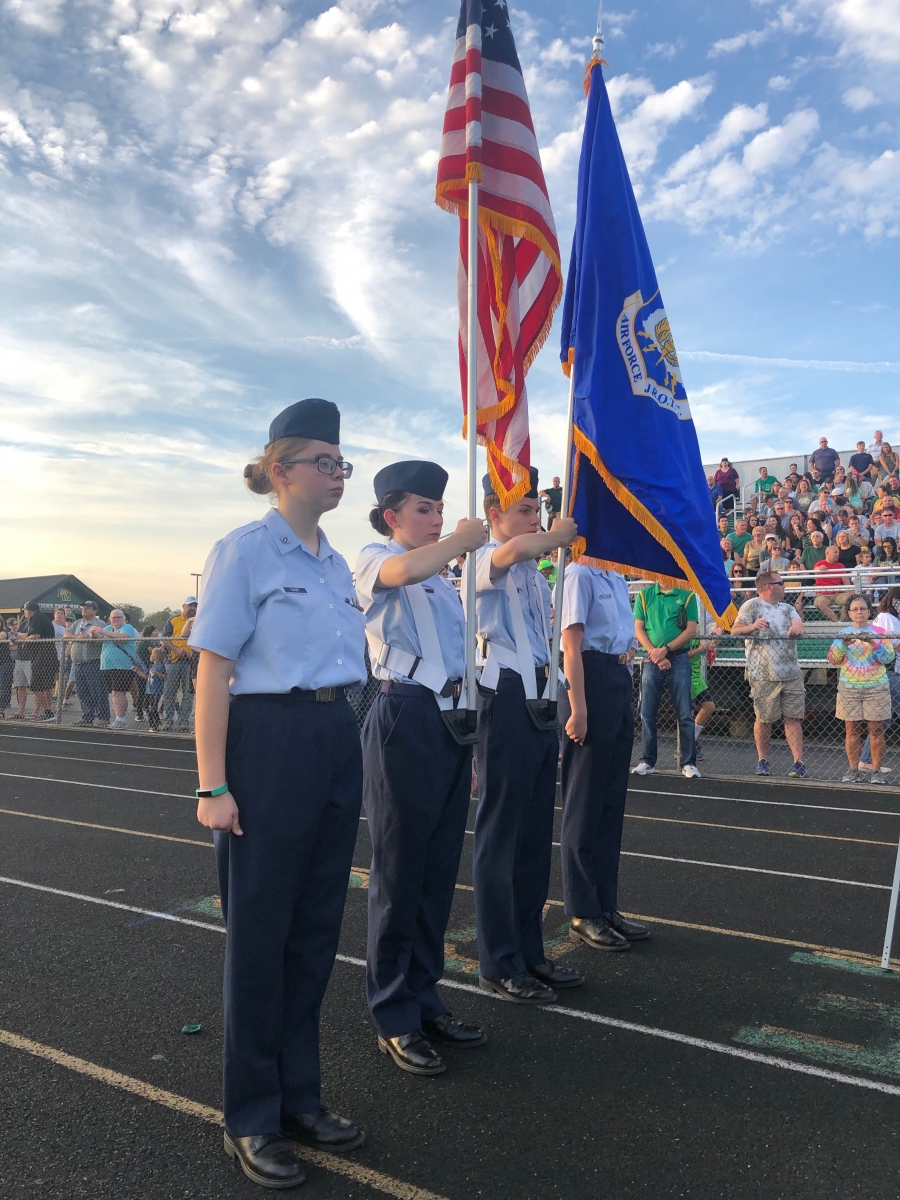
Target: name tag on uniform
353,602
605,596
428,589
295,591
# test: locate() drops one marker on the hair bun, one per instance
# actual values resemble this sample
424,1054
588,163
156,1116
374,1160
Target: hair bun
248,471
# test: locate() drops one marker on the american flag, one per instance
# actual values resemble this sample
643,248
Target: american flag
489,137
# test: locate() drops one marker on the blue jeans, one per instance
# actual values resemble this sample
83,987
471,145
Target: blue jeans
92,694
6,678
894,685
678,680
178,676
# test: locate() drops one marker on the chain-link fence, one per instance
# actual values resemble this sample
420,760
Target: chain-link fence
147,683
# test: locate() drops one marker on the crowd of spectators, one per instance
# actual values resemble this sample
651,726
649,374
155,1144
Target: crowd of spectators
103,662
834,520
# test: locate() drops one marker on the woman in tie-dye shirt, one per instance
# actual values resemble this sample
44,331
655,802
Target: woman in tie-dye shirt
863,695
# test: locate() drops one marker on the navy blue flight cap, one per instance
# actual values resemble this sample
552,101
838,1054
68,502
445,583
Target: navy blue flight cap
488,486
316,419
421,478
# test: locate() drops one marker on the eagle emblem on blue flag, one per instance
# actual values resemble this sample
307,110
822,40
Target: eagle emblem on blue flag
648,348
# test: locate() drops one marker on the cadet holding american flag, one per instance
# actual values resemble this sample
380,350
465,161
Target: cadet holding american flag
509,285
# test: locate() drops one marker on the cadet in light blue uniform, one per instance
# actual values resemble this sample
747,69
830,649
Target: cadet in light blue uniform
417,774
517,753
281,635
596,714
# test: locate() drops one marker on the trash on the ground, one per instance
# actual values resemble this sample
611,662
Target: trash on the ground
159,1058
191,1028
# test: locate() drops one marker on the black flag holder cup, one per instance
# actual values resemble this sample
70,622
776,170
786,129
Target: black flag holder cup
542,713
463,728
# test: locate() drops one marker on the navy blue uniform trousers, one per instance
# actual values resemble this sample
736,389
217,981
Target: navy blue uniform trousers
594,785
516,765
295,771
417,781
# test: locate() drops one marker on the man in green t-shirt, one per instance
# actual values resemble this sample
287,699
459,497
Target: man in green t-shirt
665,622
740,538
766,482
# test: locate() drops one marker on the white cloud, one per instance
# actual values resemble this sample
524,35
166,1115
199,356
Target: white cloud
780,83
868,28
859,98
647,124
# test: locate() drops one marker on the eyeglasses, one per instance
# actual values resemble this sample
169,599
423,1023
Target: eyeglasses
324,463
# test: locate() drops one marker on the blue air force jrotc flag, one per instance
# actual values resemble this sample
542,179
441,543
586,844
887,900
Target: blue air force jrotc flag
639,492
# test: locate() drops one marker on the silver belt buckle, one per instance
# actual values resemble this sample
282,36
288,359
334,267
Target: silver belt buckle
622,659
325,695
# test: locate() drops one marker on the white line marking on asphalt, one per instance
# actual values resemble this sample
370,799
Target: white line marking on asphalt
109,787
869,812
471,832
116,745
695,862
104,762
684,1039
161,837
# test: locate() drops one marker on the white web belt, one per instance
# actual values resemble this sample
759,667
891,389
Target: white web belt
427,668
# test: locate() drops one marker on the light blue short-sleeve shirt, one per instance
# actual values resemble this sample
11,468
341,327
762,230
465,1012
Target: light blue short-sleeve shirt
598,600
389,615
492,603
286,617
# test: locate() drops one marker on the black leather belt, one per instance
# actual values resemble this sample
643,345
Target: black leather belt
452,688
297,696
619,659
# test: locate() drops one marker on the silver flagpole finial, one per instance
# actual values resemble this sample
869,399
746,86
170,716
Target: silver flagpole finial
598,36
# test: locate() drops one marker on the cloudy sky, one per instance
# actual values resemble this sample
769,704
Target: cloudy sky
211,208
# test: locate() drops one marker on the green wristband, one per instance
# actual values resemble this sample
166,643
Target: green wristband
219,791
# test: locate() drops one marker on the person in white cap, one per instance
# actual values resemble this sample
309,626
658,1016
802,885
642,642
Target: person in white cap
178,671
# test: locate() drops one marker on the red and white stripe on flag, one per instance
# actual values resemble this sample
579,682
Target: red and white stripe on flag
489,137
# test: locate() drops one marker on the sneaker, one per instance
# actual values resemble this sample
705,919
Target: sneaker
690,771
797,771
139,717
852,776
762,767
877,777
48,717
119,723
166,727
701,753
643,768
865,766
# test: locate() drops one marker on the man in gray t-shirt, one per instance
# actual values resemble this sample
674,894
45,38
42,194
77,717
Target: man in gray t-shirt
89,684
773,669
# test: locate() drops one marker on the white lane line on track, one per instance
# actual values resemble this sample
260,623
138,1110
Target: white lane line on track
161,837
869,812
107,787
768,1060
695,862
103,762
471,832
24,737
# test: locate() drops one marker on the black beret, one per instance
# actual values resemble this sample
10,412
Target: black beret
423,478
317,419
488,485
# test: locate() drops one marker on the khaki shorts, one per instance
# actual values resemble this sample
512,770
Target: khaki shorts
22,673
773,700
863,704
835,599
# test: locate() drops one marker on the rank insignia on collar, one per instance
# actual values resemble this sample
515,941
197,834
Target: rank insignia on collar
284,539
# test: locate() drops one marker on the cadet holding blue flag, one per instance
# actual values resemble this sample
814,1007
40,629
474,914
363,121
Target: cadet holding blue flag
417,761
517,752
281,634
596,714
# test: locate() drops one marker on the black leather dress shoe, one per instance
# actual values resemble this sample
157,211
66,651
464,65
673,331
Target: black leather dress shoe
414,1053
324,1130
267,1158
633,930
598,933
447,1029
555,976
521,989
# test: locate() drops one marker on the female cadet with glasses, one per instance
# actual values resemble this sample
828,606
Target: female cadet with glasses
417,773
280,635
